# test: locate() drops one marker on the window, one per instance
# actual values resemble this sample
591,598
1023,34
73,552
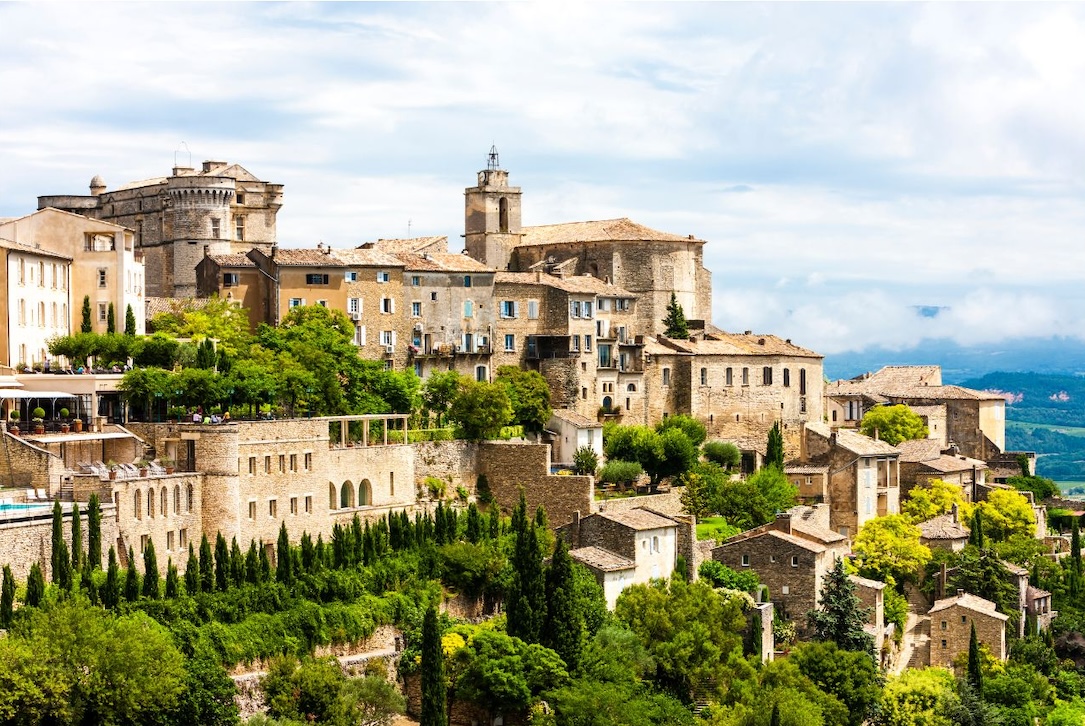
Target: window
296,302
169,541
745,560
188,498
293,462
282,463
383,276
215,230
794,560
655,543
787,378
182,537
964,620
316,279
943,643
604,304
388,337
240,198
416,309
252,509
433,297
509,308
267,464
576,342
666,376
177,499
945,625
230,279
308,461
575,309
388,305
102,277
103,312
354,305
273,507
239,228
467,281
785,590
704,376
416,280
802,381
766,376
293,505
532,309
308,502
745,376
137,500
587,309
468,309
480,373
359,335
510,342
351,276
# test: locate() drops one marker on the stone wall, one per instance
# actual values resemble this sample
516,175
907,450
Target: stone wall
455,462
668,503
509,466
26,466
990,631
794,589
28,540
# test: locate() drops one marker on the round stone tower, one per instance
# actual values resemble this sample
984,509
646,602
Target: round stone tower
197,216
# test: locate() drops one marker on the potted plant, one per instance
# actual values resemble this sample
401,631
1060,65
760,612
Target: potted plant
77,424
112,465
39,420
168,463
14,428
142,464
64,427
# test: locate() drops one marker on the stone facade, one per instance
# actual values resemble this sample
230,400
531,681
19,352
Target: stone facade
951,628
30,539
509,466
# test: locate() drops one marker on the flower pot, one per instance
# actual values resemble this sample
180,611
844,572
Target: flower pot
143,472
39,428
14,430
112,475
170,469
77,425
65,428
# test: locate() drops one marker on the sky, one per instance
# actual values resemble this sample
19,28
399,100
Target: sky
863,174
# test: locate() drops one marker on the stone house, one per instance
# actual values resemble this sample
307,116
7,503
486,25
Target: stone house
1038,606
105,266
572,431
811,481
864,478
871,594
624,548
951,623
220,205
944,532
790,556
926,459
234,277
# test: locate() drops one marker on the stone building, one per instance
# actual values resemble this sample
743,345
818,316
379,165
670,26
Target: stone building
951,627
926,459
221,206
105,267
571,431
944,532
871,594
790,556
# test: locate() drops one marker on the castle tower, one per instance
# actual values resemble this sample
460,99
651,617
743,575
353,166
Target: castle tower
196,215
492,216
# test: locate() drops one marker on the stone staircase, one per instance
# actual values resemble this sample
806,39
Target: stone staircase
920,643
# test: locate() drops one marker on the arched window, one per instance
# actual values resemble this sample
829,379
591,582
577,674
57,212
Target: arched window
607,402
365,494
346,495
138,499
188,499
503,215
150,502
631,388
165,501
331,496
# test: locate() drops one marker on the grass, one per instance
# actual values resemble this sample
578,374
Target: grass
1068,430
714,528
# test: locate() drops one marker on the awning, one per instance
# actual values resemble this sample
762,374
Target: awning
71,437
4,393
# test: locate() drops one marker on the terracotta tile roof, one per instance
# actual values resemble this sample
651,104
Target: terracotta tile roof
235,259
946,464
805,469
853,441
1015,569
608,230
600,559
1034,593
739,344
920,450
942,527
440,262
31,250
157,305
866,582
307,257
578,420
970,602
639,519
365,257
408,245
906,382
814,533
576,284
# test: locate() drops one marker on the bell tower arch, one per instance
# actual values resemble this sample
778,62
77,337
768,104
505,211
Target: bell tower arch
492,216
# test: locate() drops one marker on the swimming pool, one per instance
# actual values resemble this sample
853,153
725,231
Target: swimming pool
9,508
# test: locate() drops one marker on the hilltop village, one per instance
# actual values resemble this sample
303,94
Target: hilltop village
614,317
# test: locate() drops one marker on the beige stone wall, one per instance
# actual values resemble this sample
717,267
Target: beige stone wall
793,589
510,466
454,462
952,640
24,465
166,510
29,540
371,293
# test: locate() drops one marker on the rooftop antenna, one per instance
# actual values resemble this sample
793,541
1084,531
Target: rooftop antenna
493,164
408,229
187,151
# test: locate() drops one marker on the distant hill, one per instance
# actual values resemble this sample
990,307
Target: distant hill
959,363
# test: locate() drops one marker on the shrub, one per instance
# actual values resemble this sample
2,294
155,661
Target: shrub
620,472
720,575
585,461
435,487
39,412
723,453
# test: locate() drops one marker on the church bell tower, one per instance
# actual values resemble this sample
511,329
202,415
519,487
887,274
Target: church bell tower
492,216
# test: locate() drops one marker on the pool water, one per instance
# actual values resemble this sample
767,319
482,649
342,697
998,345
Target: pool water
7,508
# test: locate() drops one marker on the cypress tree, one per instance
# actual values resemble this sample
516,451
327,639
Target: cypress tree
7,598
320,554
64,578
474,524
439,525
339,547
222,563
1075,548
283,571
129,321
369,545
975,669
265,565
434,689
35,586
192,572
131,578
774,455
237,564
172,581
77,539
774,720
111,320
527,611
150,571
85,326
112,590
975,536
540,517
562,632
207,566
308,553
252,564
354,542
495,521
86,581
57,539
674,324
94,532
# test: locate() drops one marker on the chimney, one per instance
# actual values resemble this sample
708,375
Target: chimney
783,522
960,592
876,436
954,512
274,251
575,530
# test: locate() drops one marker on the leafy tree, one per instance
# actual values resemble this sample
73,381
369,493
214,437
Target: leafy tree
111,320
434,688
111,591
893,424
1005,514
35,586
917,697
438,393
470,568
691,427
975,671
674,324
129,321
192,572
1038,485
85,326
585,461
774,455
889,547
841,616
501,673
208,697
850,675
563,628
720,575
7,598
215,317
723,453
620,472
702,486
94,532
529,396
981,572
932,499
150,572
480,410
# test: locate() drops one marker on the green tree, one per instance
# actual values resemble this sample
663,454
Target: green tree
529,396
173,581
94,532
7,598
111,591
35,586
111,320
526,606
981,572
1042,488
77,538
283,571
150,572
563,629
434,687
585,461
720,575
438,393
674,324
893,424
85,326
57,540
918,697
131,579
849,674
841,616
723,453
501,673
975,534
208,697
129,321
222,563
691,427
701,489
889,547
774,455
932,499
192,572
1006,514
480,410
975,670
207,566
